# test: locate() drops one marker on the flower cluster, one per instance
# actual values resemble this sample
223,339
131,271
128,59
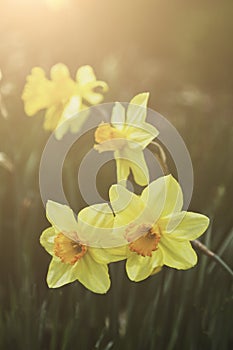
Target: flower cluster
148,231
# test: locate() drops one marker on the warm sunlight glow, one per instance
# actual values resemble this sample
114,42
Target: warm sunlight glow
57,4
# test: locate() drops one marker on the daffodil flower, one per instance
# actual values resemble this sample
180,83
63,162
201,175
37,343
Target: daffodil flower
72,245
62,97
158,232
128,135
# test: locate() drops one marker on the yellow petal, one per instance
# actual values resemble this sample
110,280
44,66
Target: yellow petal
72,107
128,207
139,267
98,215
53,116
141,136
86,79
164,195
61,217
37,92
139,167
60,274
90,95
109,255
93,97
174,196
69,117
47,239
123,168
96,227
136,112
184,225
156,270
177,254
124,200
85,75
118,116
133,159
59,72
154,196
93,275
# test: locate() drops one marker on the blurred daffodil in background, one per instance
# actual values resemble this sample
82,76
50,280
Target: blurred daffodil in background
61,96
128,135
157,230
71,245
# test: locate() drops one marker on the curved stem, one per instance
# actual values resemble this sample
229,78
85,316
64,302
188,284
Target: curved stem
209,253
161,157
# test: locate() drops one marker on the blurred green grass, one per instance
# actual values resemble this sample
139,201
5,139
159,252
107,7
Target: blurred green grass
184,60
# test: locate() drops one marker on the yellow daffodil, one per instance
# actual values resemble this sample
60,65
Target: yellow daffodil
158,232
62,97
72,245
128,135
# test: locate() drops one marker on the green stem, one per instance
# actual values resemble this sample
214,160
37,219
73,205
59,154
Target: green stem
223,264
161,156
114,305
197,244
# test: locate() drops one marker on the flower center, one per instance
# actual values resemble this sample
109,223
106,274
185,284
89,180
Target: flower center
147,242
106,132
109,138
67,250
